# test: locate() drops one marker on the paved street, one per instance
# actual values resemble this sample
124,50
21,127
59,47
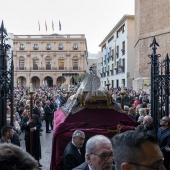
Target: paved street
46,142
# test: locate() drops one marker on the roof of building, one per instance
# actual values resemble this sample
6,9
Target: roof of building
122,20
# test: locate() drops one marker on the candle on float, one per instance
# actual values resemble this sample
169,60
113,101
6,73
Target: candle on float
107,80
31,89
68,88
123,87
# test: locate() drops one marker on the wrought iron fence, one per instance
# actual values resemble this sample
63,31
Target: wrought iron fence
160,80
6,78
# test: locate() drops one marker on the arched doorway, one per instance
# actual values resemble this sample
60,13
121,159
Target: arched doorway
21,81
48,81
60,80
35,81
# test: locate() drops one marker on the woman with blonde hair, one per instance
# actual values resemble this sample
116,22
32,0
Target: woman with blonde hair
142,112
25,110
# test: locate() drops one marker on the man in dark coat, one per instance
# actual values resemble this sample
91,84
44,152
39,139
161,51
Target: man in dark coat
36,124
36,109
99,154
164,139
83,166
53,105
48,116
73,156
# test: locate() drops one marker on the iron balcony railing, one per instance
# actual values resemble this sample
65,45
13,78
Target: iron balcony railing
48,68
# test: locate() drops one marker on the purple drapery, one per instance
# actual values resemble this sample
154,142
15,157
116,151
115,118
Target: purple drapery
107,122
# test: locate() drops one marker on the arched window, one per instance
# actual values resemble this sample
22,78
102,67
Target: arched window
48,62
21,63
75,63
75,46
61,64
35,64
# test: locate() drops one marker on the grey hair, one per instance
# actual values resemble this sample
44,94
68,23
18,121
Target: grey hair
126,108
91,143
77,133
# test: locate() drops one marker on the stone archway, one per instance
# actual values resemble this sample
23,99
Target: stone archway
60,80
21,81
48,81
35,81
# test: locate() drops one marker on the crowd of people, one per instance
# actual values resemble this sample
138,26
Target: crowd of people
124,151
45,102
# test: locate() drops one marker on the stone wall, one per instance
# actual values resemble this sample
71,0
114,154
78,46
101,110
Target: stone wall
152,18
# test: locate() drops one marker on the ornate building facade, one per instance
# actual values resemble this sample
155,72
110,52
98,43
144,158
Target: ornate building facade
151,19
48,60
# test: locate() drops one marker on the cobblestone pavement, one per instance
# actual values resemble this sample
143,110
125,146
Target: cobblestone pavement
46,144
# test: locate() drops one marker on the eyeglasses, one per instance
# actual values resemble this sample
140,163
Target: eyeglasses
103,156
81,138
163,120
159,166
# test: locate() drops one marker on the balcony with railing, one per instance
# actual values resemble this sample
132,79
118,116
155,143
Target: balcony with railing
48,68
48,48
22,48
75,48
35,48
75,68
35,67
111,72
116,70
120,69
123,51
21,68
107,73
123,69
61,68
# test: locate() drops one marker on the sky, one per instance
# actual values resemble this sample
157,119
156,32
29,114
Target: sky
94,18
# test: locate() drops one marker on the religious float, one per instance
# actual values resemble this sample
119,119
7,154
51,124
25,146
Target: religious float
91,110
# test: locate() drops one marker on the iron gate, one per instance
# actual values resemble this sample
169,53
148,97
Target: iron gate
159,85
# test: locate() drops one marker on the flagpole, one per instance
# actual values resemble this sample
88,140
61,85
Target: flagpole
52,26
39,25
59,25
45,25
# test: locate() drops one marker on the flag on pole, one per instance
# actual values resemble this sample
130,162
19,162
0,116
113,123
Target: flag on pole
52,25
39,25
59,26
45,25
